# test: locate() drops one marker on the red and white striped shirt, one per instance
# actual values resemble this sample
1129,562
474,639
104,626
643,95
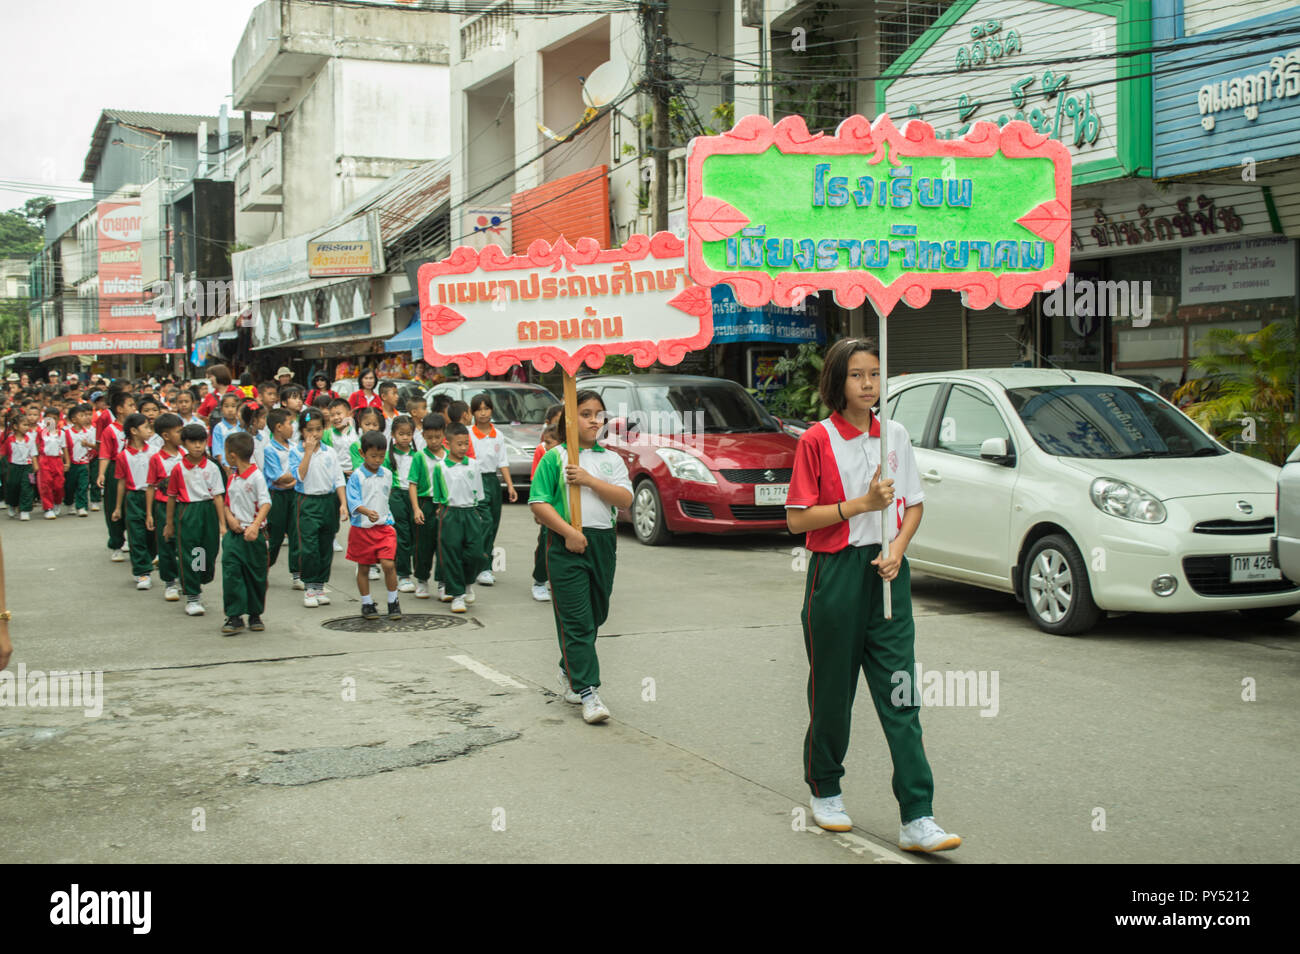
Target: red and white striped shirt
161,466
133,466
191,482
834,462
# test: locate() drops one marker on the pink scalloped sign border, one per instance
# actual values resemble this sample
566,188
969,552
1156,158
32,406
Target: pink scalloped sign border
483,310
710,219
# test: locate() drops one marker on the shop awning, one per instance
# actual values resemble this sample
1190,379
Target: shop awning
410,339
217,325
19,356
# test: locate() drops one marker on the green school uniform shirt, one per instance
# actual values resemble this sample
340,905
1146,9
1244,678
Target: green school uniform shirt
422,471
548,484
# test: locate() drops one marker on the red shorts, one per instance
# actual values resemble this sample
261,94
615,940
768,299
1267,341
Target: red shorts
369,545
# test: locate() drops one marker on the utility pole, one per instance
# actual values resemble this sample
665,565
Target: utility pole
654,19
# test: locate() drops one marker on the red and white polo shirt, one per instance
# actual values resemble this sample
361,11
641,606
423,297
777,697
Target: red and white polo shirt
161,466
834,462
247,494
81,443
50,442
190,482
133,466
111,441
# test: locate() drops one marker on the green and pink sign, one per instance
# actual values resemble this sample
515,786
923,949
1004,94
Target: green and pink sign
876,212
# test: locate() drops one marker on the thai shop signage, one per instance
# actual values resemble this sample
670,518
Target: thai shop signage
1050,63
1238,270
732,321
875,212
562,304
353,248
1274,82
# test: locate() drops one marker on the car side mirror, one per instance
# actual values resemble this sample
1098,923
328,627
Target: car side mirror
995,449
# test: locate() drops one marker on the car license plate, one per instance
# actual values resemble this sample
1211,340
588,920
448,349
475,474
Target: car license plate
770,493
1254,566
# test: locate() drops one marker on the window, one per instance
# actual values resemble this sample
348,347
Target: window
969,419
899,23
911,408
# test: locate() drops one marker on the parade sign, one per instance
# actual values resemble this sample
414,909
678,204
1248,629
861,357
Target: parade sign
877,212
562,304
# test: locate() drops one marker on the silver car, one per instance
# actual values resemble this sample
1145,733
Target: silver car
1286,541
518,412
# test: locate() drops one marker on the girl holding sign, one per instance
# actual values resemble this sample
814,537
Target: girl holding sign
836,493
580,563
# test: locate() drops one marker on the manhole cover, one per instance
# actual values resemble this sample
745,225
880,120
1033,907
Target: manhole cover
409,623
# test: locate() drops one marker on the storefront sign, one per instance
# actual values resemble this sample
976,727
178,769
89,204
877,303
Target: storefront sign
734,322
873,212
140,342
1043,62
340,258
122,304
1279,81
562,304
485,226
1238,270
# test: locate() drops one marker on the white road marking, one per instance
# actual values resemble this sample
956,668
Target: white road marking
487,672
861,846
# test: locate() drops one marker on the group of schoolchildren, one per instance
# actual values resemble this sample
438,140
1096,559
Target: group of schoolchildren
46,447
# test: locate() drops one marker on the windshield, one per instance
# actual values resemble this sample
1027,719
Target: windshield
520,405
712,408
1108,422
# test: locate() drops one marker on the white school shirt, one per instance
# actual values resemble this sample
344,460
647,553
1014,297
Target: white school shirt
548,484
402,465
324,476
155,441
133,466
247,494
370,489
463,483
191,483
23,449
194,420
489,450
259,448
81,443
51,442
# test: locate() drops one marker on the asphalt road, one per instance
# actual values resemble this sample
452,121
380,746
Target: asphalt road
301,744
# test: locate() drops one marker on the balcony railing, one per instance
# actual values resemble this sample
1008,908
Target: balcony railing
491,29
259,180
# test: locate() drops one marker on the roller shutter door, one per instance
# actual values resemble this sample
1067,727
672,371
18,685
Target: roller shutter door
991,338
926,339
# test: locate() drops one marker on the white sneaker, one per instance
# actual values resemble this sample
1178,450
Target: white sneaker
143,582
81,512
374,573
442,593
469,594
193,608
126,547
458,604
541,593
593,710
922,834
566,690
298,584
3,505
172,594
310,600
829,813
95,507
322,598
337,548
406,585
421,590
24,516
51,514
118,556
486,578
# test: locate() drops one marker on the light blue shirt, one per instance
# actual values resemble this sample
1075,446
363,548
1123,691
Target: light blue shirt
220,432
277,463
370,488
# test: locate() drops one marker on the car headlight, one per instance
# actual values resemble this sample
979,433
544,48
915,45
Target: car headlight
1121,499
685,466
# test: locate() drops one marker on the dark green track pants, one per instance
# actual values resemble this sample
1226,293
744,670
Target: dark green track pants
318,521
539,557
845,632
198,544
425,545
491,506
243,574
580,587
282,523
399,502
168,565
138,535
75,486
460,547
116,528
20,492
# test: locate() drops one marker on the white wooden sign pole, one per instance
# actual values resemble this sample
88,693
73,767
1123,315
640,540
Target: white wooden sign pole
888,513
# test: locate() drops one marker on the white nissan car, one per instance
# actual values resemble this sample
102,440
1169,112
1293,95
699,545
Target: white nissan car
1083,493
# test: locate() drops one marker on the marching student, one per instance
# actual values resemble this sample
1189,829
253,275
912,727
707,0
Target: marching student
161,465
341,434
268,394
52,461
580,563
252,418
402,457
490,456
228,424
372,540
541,587
836,495
291,401
150,407
367,419
322,504
111,441
195,514
244,552
79,439
283,520
459,489
185,404
416,409
131,505
388,405
424,509
20,490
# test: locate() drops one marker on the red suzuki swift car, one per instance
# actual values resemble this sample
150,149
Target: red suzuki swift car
703,455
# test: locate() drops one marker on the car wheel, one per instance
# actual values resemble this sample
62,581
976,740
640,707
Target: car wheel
1270,614
1058,597
648,515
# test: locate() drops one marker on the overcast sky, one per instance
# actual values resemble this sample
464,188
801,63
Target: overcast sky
64,62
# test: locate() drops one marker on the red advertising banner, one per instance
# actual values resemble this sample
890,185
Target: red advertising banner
122,303
138,342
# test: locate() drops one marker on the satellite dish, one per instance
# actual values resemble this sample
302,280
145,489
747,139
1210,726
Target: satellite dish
606,82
